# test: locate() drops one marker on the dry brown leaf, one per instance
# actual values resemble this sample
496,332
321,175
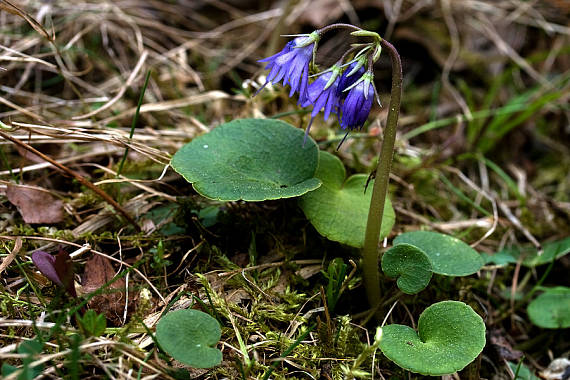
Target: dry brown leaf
49,149
29,155
36,205
499,342
111,302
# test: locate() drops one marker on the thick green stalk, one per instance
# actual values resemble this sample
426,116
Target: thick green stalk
370,252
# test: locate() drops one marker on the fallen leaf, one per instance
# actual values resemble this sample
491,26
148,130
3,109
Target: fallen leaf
36,205
502,347
29,155
111,302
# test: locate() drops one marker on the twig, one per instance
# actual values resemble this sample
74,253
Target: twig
75,175
453,54
8,259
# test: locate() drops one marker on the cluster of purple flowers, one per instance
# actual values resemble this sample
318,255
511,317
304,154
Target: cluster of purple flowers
345,90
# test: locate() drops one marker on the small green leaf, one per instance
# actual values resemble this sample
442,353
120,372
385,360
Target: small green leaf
501,258
30,348
339,209
448,255
410,265
8,369
451,335
551,309
335,275
551,251
92,324
189,336
249,159
524,373
208,216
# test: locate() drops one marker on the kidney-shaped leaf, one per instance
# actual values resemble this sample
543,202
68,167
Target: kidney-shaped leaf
410,265
551,309
249,159
339,209
451,335
448,255
189,336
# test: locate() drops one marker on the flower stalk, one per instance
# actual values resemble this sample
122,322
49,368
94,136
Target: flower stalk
371,252
347,89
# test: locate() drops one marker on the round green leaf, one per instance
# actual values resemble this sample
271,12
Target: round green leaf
551,309
451,335
249,159
449,256
339,209
410,265
189,336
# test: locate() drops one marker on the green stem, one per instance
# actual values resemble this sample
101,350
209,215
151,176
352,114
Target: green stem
370,252
134,122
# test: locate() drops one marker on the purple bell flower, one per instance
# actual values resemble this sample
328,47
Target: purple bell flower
322,93
353,72
292,65
358,103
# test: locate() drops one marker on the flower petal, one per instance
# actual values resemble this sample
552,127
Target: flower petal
46,264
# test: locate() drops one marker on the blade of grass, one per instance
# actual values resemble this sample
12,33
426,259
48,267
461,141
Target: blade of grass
462,196
7,164
504,176
475,128
506,110
497,130
518,368
511,184
434,100
500,115
242,345
134,122
146,358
